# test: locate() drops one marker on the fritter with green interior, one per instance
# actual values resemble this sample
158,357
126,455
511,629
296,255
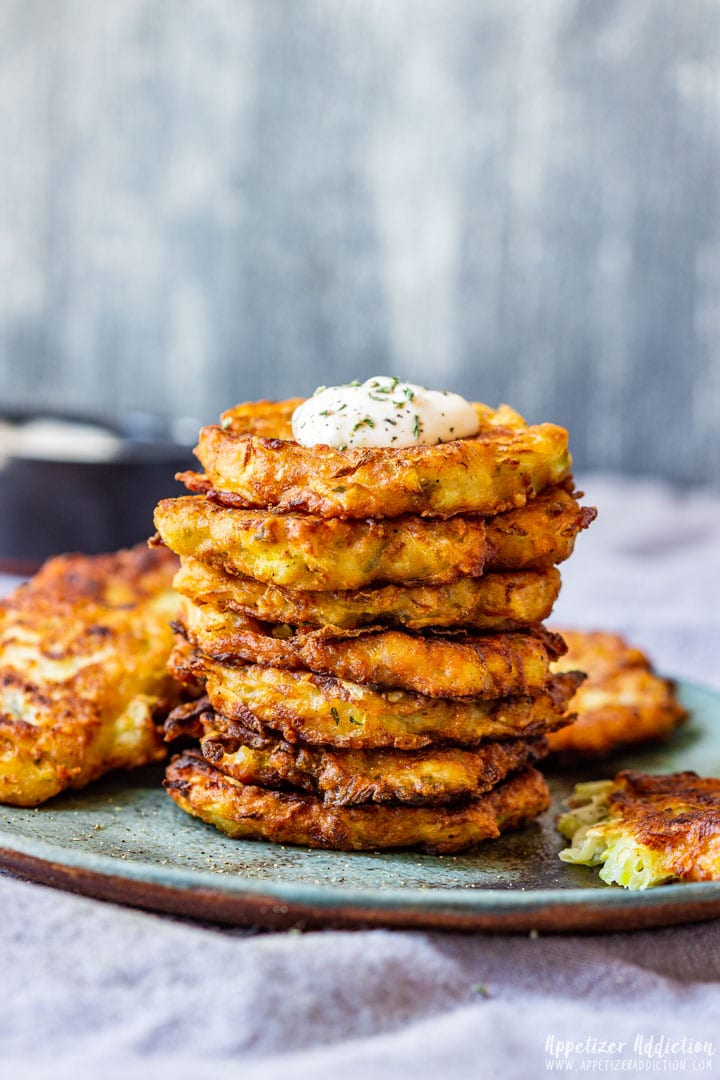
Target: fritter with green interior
646,830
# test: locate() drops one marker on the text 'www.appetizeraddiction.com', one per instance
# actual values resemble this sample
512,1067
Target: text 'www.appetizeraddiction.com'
641,1054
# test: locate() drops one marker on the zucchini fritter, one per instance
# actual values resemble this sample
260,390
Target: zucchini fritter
486,666
499,601
308,552
255,813
344,777
646,830
83,671
325,711
622,700
506,463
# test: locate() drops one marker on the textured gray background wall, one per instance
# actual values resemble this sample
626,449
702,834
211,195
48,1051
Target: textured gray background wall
203,201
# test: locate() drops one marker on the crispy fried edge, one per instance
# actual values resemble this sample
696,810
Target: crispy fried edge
539,534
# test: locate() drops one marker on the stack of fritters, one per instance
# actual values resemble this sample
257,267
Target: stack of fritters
366,627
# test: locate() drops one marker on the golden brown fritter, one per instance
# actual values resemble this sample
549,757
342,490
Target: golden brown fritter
83,671
304,552
345,777
540,534
451,666
506,463
499,601
622,700
254,813
324,711
308,552
646,830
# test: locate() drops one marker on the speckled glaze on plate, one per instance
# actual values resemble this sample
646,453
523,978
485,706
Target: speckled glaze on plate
123,839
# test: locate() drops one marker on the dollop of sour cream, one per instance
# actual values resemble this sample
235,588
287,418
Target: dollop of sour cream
383,411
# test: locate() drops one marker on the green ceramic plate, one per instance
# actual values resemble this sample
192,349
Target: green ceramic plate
124,840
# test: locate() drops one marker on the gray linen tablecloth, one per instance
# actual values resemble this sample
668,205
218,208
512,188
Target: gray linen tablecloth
94,990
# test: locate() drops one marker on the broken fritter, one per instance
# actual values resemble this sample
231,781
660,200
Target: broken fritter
646,830
622,700
255,813
84,684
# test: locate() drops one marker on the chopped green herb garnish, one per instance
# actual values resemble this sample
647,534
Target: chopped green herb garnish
352,720
335,715
366,422
416,426
385,389
325,412
409,394
226,422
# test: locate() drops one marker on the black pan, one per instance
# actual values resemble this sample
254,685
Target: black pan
50,503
